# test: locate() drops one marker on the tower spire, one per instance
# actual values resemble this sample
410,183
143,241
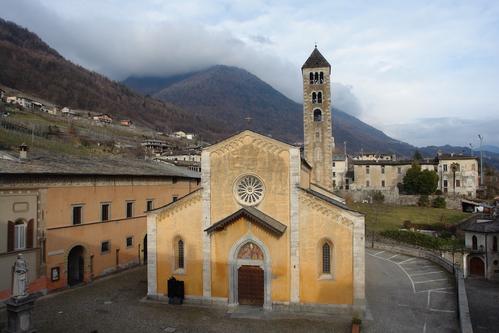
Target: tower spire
317,122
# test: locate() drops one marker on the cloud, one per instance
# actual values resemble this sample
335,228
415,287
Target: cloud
344,99
446,130
393,63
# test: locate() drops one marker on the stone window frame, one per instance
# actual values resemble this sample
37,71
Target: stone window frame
108,241
177,270
127,202
20,233
317,117
151,201
81,206
108,203
126,241
320,260
238,199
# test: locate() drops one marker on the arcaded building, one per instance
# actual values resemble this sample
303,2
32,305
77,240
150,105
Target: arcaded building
264,229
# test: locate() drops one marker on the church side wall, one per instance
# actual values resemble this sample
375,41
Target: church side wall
315,228
184,222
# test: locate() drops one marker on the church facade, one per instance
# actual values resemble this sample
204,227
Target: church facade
263,229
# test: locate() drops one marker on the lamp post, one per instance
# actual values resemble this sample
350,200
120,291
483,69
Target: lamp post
481,159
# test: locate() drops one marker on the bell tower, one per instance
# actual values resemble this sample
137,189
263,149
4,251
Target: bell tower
317,122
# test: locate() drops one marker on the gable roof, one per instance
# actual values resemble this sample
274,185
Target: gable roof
315,60
242,133
482,224
252,214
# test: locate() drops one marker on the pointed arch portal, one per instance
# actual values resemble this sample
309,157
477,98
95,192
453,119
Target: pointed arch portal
250,273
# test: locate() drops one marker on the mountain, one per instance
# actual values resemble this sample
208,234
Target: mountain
28,64
490,148
231,94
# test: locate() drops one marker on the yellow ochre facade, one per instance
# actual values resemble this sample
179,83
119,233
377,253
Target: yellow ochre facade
263,229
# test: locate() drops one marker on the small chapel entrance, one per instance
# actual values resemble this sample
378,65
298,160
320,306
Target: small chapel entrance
250,285
477,267
76,267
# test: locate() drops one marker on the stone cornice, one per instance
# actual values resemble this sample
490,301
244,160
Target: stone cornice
337,214
174,207
248,137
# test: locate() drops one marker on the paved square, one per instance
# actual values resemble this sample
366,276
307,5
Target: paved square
404,294
407,294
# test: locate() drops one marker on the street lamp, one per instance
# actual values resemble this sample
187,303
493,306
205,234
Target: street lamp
481,159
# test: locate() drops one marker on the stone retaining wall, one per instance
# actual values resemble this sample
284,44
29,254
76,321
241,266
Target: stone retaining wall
393,197
462,299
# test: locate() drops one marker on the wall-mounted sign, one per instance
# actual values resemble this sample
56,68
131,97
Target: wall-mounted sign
54,276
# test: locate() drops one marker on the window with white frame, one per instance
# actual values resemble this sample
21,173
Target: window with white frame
20,236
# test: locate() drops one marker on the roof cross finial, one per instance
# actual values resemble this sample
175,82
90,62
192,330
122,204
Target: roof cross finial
315,44
248,120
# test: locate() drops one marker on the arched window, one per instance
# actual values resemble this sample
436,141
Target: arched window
326,258
317,115
321,78
474,243
314,97
180,254
319,97
311,78
494,244
316,77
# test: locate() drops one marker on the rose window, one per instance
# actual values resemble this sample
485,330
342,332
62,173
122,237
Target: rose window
249,190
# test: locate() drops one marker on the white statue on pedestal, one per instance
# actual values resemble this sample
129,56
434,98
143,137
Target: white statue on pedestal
20,278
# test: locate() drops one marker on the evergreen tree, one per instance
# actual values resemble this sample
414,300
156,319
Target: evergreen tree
417,156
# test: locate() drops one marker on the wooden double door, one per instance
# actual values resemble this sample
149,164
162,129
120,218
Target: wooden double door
250,285
477,267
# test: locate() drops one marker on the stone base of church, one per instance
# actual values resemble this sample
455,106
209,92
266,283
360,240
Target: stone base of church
356,310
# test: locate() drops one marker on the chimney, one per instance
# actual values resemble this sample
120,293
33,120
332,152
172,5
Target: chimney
23,151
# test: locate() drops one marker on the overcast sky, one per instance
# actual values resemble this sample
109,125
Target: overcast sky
425,72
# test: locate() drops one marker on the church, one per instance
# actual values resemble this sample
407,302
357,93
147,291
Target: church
264,228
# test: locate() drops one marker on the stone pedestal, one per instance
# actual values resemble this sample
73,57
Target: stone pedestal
19,319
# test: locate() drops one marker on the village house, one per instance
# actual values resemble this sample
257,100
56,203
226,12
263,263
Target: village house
103,118
65,111
74,221
458,174
340,169
154,146
363,156
481,241
126,122
264,229
11,100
